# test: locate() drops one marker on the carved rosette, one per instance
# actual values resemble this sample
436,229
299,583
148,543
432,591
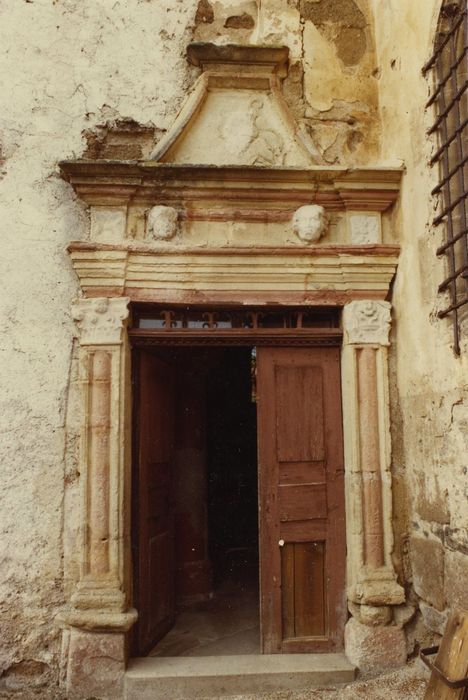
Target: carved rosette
101,321
367,322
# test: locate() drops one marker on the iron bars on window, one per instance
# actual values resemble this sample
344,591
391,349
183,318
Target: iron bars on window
449,66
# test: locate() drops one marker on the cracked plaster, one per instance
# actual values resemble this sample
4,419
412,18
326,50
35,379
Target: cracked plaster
87,66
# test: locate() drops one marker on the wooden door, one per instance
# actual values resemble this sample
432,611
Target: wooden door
155,567
301,494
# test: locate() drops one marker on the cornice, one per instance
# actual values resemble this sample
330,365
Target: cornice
117,183
372,249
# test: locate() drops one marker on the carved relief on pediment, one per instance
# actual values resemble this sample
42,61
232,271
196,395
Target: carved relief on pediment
236,113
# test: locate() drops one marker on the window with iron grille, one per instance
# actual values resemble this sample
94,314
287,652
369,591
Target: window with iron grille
449,69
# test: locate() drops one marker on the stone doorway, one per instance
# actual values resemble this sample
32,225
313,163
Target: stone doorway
100,617
195,485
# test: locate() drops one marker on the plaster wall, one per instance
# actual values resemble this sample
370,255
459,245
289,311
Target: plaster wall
430,385
66,67
106,79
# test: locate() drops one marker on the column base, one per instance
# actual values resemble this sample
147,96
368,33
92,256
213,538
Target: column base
94,664
97,620
375,648
377,587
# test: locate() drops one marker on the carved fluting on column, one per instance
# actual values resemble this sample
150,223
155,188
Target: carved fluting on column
371,576
98,464
369,445
100,601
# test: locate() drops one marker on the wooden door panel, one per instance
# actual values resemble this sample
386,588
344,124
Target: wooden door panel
154,592
298,501
160,558
302,534
309,587
300,389
303,608
304,530
302,473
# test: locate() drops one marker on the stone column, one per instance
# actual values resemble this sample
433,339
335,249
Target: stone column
372,638
98,617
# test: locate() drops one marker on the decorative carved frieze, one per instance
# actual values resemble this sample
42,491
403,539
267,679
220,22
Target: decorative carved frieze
101,320
367,322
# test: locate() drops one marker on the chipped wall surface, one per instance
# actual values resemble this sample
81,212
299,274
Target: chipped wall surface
106,79
430,385
66,67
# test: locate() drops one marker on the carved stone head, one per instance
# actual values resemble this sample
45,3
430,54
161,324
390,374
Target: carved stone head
310,222
162,223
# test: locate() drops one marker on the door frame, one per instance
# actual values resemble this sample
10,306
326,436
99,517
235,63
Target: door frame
144,338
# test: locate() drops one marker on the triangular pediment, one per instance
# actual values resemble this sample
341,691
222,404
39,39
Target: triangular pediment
236,113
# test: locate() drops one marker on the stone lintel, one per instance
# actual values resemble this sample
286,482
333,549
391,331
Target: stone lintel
316,274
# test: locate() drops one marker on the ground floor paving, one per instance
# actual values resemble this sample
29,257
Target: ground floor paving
408,683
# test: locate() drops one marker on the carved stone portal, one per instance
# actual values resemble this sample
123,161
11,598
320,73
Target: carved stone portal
217,175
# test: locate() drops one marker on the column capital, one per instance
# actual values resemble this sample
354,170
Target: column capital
101,320
367,322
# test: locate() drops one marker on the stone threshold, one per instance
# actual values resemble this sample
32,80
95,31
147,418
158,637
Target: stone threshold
175,678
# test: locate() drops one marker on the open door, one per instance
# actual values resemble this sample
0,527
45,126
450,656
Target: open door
301,496
154,585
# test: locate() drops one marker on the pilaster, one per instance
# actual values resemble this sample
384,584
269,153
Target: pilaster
372,582
100,604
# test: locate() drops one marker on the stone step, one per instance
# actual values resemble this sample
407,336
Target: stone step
177,678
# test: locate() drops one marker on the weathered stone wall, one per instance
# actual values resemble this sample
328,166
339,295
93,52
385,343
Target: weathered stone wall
430,385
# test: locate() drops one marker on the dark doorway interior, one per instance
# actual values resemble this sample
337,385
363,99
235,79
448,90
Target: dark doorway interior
232,467
213,502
